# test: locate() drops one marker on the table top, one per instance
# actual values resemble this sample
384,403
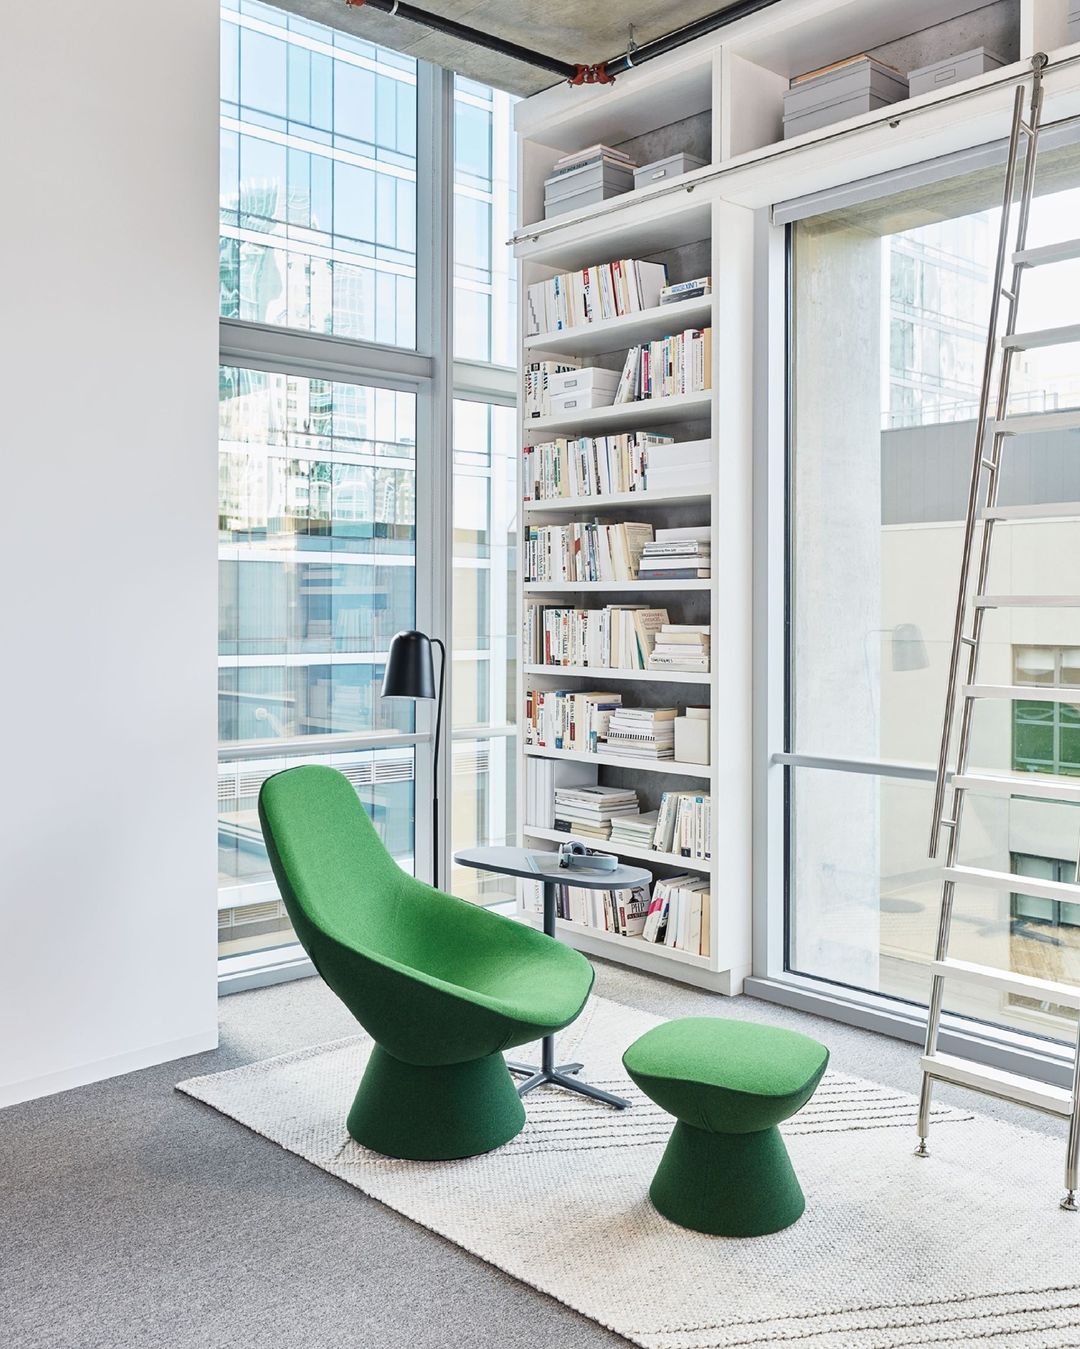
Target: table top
544,866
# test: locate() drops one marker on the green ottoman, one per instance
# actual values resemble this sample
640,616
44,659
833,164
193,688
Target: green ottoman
726,1170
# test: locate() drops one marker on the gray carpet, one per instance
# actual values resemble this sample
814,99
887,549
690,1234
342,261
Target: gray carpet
133,1216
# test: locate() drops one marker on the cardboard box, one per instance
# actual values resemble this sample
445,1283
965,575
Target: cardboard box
672,167
590,379
692,736
942,73
847,89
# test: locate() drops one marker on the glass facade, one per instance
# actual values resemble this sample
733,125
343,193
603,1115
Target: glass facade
321,559
318,178
485,630
317,571
896,292
485,213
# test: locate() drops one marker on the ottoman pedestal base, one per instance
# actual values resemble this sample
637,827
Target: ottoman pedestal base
728,1185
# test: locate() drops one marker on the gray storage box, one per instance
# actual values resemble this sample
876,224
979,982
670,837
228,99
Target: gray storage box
846,90
975,62
581,187
671,167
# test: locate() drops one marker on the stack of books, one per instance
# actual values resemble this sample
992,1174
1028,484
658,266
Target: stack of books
585,551
681,646
617,637
587,812
588,466
635,830
620,911
604,291
679,914
686,464
569,719
678,364
642,732
686,290
684,825
537,380
681,554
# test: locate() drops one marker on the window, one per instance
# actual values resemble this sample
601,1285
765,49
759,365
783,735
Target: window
317,567
895,291
1046,736
318,178
1045,932
485,626
329,495
485,212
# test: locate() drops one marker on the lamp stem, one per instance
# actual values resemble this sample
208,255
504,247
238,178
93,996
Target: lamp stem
435,765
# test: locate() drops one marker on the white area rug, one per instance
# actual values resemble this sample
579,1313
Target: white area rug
966,1248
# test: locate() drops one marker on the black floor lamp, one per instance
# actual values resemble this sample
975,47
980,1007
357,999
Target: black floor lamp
410,673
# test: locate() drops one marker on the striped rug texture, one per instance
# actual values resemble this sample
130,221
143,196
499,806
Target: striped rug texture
966,1248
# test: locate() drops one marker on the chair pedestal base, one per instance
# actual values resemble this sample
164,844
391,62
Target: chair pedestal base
435,1114
729,1185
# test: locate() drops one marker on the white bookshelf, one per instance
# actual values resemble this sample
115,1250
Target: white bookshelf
636,500
613,587
604,672
726,92
686,770
677,407
625,331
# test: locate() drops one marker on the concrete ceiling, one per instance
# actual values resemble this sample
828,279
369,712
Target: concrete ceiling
573,31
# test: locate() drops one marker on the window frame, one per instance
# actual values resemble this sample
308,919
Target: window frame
430,373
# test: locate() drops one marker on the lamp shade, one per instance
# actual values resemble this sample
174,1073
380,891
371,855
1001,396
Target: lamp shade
908,648
410,670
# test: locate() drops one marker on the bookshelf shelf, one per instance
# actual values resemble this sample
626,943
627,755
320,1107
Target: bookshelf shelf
598,934
687,770
625,331
595,672
626,416
668,859
662,499
611,587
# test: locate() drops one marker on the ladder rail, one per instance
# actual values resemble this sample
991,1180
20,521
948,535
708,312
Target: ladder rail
989,359
934,1065
961,641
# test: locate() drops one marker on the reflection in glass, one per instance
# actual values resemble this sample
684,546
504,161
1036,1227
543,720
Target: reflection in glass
896,293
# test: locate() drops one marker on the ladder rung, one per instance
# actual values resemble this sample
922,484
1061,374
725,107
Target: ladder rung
1028,693
1042,337
1027,601
1037,423
990,464
1047,510
1046,786
1023,985
1040,257
996,1082
1027,128
1010,881
1009,294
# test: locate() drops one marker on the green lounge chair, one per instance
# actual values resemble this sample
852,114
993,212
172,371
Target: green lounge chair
442,987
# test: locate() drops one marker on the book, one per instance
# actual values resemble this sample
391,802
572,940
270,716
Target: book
686,290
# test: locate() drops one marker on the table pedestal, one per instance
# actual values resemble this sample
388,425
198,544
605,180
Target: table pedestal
547,1071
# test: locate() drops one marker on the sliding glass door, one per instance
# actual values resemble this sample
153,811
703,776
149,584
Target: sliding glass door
895,293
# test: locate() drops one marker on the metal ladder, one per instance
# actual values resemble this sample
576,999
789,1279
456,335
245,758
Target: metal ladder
1002,339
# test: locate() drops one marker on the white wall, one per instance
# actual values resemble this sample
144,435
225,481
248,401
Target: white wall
108,337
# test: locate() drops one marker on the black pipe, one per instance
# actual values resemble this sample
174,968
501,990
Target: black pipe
708,24
601,73
471,35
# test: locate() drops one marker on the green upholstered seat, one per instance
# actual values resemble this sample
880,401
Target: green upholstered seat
442,986
729,1084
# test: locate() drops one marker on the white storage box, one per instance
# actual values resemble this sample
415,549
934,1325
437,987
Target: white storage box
671,167
592,379
692,736
580,400
975,62
849,88
585,186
